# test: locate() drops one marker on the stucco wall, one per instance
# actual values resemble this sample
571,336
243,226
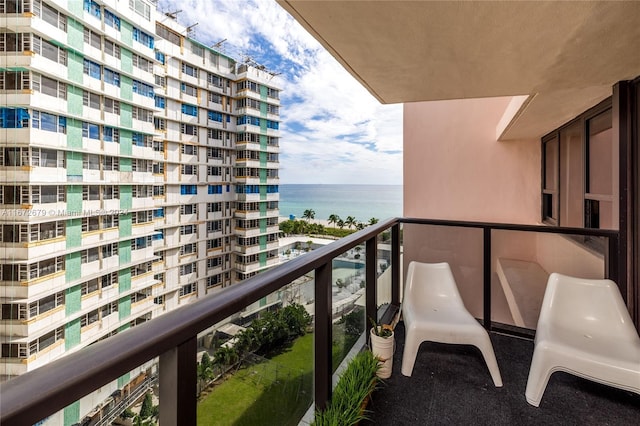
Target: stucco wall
455,169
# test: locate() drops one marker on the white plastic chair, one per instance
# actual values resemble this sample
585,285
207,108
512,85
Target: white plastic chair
584,329
433,311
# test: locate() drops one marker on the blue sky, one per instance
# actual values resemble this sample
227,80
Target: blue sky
332,130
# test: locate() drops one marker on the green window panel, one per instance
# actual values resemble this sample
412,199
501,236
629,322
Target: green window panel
263,142
74,198
262,257
263,243
263,92
263,209
126,60
125,165
263,301
74,163
75,33
263,159
126,117
74,233
124,280
126,33
126,197
125,225
123,380
123,328
263,226
124,308
263,193
124,252
126,145
263,126
72,334
72,412
263,175
263,109
75,65
126,90
73,297
74,133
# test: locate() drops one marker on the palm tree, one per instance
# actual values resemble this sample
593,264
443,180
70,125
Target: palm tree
334,218
373,221
309,214
350,221
340,223
360,226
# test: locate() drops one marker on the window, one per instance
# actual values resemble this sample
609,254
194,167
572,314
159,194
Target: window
143,89
14,80
189,149
214,171
188,268
578,166
160,57
53,17
188,229
189,70
92,69
189,129
142,114
142,63
189,209
160,102
111,20
111,105
92,7
92,38
111,77
188,89
189,169
188,289
92,100
111,49
110,134
90,130
142,37
189,249
141,8
168,34
214,116
188,190
191,110
214,189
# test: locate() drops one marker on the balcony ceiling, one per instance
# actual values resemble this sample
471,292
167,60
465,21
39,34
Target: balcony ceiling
565,56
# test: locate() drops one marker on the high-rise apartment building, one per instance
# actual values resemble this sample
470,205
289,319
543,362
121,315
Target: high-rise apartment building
138,172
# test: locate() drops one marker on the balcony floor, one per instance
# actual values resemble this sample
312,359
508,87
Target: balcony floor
451,385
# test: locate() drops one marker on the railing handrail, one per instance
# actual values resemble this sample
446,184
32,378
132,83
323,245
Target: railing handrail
73,376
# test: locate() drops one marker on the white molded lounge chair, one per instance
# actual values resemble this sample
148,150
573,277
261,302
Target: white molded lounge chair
433,311
584,329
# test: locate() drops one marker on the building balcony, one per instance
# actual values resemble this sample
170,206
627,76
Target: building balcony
434,392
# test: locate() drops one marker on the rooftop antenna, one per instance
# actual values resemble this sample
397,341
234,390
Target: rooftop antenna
219,45
190,30
173,15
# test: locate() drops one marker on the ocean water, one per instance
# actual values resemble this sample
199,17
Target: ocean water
360,201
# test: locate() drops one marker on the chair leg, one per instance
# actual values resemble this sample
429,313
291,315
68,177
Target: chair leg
485,346
539,374
409,354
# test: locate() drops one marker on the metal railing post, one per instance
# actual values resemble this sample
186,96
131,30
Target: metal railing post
486,253
371,278
395,265
178,377
322,337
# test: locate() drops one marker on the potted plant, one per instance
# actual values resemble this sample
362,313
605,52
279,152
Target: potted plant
383,346
351,394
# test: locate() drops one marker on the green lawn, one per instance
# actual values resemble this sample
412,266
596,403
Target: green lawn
275,392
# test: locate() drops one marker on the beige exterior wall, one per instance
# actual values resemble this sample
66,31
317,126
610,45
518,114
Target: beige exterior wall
455,169
478,178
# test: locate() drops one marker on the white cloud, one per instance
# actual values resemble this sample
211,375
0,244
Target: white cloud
333,130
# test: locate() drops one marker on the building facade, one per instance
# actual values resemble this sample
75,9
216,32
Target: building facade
138,172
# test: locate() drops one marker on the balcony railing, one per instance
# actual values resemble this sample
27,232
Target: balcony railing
173,336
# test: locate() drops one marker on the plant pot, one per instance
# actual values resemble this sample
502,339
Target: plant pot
383,348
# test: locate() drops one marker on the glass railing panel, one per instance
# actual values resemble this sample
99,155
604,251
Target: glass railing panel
256,367
521,264
134,395
460,247
348,302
